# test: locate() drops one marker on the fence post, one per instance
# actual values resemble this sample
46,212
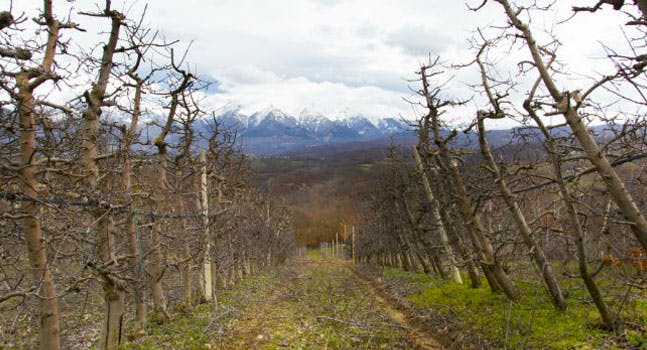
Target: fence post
208,283
353,244
337,245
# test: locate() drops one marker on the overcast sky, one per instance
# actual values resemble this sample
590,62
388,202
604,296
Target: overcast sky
337,57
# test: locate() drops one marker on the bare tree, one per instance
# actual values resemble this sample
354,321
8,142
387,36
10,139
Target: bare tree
493,271
28,76
536,251
185,80
568,104
95,98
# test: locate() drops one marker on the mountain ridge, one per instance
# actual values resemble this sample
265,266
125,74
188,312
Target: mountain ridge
272,131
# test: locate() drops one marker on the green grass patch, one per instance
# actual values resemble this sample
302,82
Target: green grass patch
314,254
531,323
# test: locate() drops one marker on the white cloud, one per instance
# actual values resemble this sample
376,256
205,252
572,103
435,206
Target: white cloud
294,94
335,56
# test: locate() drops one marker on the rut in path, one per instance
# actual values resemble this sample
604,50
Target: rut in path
319,304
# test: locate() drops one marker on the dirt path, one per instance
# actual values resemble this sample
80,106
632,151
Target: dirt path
421,338
312,304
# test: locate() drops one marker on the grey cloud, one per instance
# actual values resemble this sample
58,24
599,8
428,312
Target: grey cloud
327,2
287,59
420,40
369,30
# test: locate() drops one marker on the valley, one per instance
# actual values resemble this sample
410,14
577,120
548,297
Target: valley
323,174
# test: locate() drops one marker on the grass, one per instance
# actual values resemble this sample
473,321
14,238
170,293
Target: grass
531,323
313,254
303,305
184,332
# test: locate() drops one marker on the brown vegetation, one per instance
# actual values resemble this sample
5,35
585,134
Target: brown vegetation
93,213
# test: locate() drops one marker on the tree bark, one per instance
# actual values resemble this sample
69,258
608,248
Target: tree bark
574,225
536,252
137,265
114,294
49,315
433,203
468,257
187,278
155,266
607,173
31,210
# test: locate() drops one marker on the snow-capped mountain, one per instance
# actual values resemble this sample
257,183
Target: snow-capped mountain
365,128
274,131
270,123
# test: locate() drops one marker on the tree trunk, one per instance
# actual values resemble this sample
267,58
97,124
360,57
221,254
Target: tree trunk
31,210
200,259
187,278
431,201
575,227
155,266
353,248
491,267
114,297
536,252
206,237
421,259
49,325
131,223
468,257
137,265
417,231
609,176
155,270
113,290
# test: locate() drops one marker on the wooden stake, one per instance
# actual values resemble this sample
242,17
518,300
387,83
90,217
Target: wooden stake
353,244
337,244
208,282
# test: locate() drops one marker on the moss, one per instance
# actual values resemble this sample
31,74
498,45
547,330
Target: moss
406,277
637,339
531,323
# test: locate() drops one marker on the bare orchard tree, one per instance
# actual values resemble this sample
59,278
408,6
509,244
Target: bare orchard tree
83,193
496,110
183,162
129,133
183,80
497,277
24,70
439,204
602,153
574,224
96,98
569,105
